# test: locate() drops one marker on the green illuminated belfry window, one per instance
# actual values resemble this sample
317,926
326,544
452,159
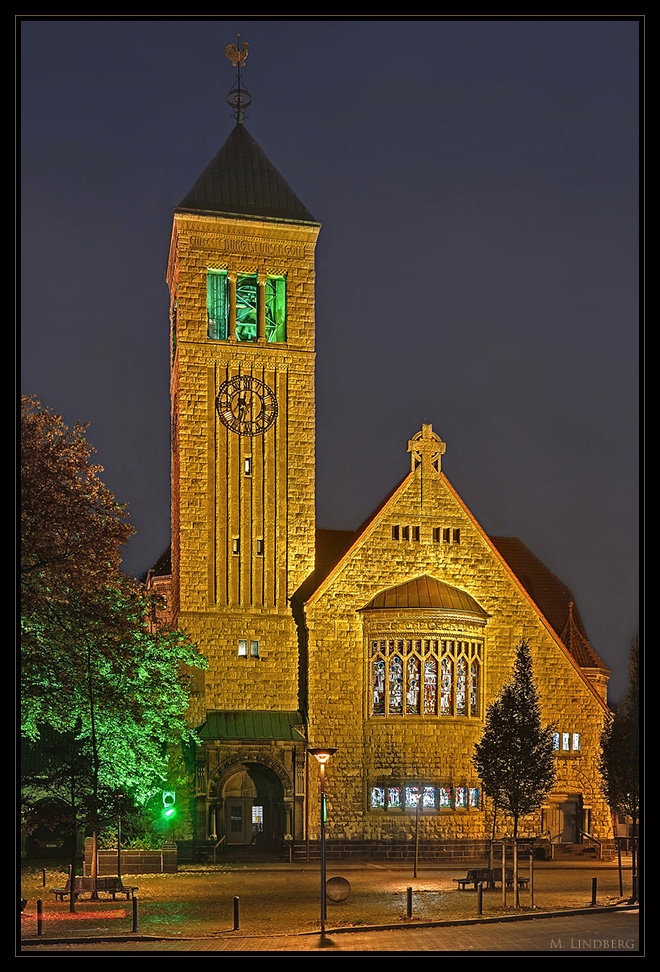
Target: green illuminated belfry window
246,307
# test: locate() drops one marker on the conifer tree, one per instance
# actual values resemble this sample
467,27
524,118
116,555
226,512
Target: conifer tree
619,756
514,755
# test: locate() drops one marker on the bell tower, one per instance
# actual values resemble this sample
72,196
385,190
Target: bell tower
241,281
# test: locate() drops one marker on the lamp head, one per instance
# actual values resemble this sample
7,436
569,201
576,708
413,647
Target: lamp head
322,754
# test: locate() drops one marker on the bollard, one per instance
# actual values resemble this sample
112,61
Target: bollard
43,876
236,901
409,902
594,882
40,917
480,898
72,895
135,913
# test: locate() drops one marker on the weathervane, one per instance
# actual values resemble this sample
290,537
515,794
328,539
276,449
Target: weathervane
238,98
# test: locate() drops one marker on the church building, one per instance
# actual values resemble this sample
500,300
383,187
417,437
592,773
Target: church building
385,644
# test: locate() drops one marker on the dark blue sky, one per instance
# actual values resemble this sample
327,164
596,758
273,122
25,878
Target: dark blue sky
477,268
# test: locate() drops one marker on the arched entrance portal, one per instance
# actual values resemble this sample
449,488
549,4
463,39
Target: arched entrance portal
250,807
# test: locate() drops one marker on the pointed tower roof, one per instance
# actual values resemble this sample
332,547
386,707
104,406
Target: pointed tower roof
241,181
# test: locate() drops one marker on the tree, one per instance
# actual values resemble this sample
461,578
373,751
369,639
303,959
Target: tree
619,743
91,668
514,755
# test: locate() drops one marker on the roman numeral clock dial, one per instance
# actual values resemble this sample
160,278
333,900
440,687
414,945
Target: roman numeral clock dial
246,405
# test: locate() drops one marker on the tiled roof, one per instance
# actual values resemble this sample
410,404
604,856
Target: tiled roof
552,597
240,180
426,592
258,724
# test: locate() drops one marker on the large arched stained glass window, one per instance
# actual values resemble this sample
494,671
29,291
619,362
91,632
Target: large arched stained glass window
425,677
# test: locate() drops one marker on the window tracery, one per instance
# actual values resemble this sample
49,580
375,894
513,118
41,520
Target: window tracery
404,677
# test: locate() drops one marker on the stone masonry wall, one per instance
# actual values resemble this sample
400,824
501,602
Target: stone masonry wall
433,750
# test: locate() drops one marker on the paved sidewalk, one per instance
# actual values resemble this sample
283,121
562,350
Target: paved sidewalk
279,902
604,931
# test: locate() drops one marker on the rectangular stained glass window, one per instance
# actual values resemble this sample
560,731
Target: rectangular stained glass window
246,307
396,685
217,304
413,794
474,797
276,309
377,798
430,686
394,797
461,797
412,685
428,797
444,796
576,742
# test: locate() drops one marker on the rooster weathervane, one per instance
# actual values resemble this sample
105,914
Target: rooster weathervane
238,98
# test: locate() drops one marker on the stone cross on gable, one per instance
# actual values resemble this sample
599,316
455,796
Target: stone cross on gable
425,449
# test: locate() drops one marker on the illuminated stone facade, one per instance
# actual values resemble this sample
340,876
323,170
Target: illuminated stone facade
387,643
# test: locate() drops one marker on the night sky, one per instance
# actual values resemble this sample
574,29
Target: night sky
477,268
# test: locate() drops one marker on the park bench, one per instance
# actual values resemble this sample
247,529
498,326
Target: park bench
104,885
497,872
489,877
475,876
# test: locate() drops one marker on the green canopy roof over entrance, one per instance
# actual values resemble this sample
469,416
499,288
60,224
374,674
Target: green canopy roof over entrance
257,724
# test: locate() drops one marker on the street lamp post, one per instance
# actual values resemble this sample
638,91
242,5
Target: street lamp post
322,755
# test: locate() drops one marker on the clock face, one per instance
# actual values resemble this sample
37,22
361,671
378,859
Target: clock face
246,405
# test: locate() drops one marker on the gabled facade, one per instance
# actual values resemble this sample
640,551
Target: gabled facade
410,636
387,643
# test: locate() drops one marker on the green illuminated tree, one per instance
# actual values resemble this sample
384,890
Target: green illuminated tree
91,668
514,755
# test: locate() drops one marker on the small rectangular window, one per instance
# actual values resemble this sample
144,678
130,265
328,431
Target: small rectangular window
446,535
236,545
242,647
254,649
405,533
436,534
415,533
260,548
457,536
395,533
247,465
576,742
565,741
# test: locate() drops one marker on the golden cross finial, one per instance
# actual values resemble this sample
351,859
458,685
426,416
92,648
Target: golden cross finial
425,449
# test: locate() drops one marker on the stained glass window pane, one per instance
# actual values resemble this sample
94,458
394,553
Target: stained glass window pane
377,798
461,687
555,740
246,308
413,793
217,304
565,744
446,687
461,796
444,796
378,686
396,685
430,686
474,688
276,309
576,741
394,797
412,685
428,797
474,797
